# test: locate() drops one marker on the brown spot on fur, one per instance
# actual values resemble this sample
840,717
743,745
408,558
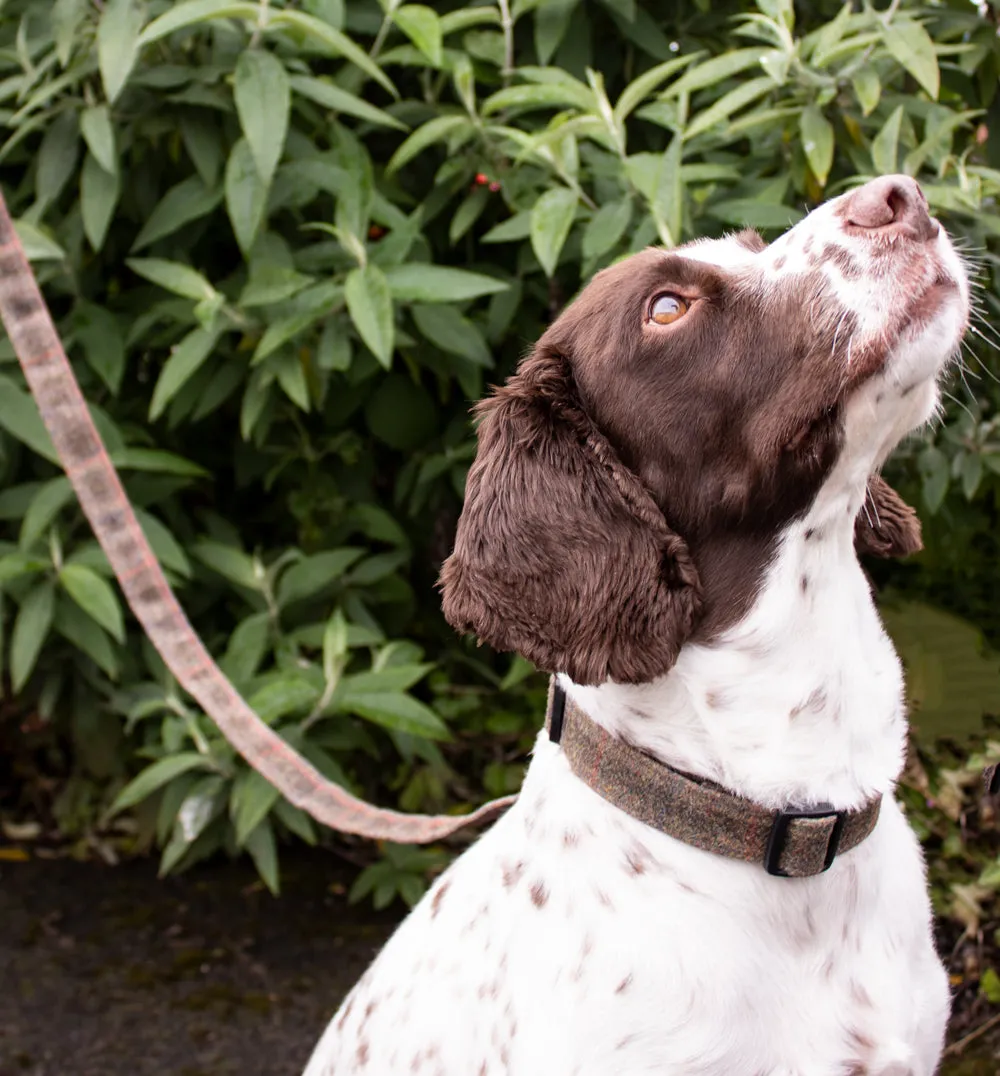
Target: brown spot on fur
638,859
362,1054
624,984
512,874
571,838
539,895
815,704
438,898
779,262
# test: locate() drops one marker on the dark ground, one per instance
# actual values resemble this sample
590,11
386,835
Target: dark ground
108,971
112,972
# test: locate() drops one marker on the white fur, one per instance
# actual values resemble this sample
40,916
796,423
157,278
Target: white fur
572,940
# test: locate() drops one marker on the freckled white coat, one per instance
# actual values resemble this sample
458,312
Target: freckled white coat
572,940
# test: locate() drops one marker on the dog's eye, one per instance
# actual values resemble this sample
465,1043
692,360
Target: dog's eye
667,308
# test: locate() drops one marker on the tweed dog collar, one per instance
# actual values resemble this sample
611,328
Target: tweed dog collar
790,844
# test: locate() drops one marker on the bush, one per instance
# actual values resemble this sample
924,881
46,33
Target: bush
288,245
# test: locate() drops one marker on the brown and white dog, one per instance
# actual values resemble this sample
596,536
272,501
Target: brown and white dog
666,510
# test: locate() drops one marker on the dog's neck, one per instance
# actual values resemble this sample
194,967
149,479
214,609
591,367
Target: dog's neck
800,702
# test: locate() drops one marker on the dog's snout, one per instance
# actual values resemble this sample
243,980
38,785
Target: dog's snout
891,205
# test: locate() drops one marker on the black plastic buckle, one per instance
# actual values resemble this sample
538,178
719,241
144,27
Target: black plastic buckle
557,713
779,831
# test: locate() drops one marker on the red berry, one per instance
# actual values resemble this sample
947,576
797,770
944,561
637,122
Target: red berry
482,179
495,186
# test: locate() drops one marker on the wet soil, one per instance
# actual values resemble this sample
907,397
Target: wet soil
110,971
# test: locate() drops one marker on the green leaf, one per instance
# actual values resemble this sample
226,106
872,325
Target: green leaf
95,126
571,94
263,101
606,228
20,418
203,803
156,776
311,575
157,461
38,246
726,105
18,565
231,563
264,853
292,379
551,221
246,647
817,141
251,803
338,43
95,597
911,46
867,89
72,623
189,200
180,16
668,200
173,276
753,213
422,26
885,143
396,711
47,503
933,465
325,93
369,302
34,619
640,88
511,230
57,155
98,197
164,545
989,986
420,283
66,18
296,821
552,19
185,359
434,130
394,678
99,334
445,327
118,44
287,695
718,69
246,195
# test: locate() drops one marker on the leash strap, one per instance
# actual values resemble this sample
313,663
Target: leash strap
790,844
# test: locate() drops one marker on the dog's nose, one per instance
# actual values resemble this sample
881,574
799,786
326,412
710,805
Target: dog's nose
891,205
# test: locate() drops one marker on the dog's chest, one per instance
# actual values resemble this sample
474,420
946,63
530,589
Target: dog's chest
573,940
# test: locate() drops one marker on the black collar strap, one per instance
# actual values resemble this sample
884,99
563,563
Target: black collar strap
791,844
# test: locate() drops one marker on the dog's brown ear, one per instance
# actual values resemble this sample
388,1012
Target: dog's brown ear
886,525
561,553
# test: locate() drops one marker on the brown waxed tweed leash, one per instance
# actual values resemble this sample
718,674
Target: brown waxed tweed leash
790,844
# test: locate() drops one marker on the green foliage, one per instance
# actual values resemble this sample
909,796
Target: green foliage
288,244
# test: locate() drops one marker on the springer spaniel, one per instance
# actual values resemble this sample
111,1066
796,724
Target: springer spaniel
666,510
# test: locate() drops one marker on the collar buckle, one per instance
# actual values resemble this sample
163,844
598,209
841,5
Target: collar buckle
779,834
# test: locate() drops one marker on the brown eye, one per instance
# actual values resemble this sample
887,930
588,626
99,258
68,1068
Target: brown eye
667,308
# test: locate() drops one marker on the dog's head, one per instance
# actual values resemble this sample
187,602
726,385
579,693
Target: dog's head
635,474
